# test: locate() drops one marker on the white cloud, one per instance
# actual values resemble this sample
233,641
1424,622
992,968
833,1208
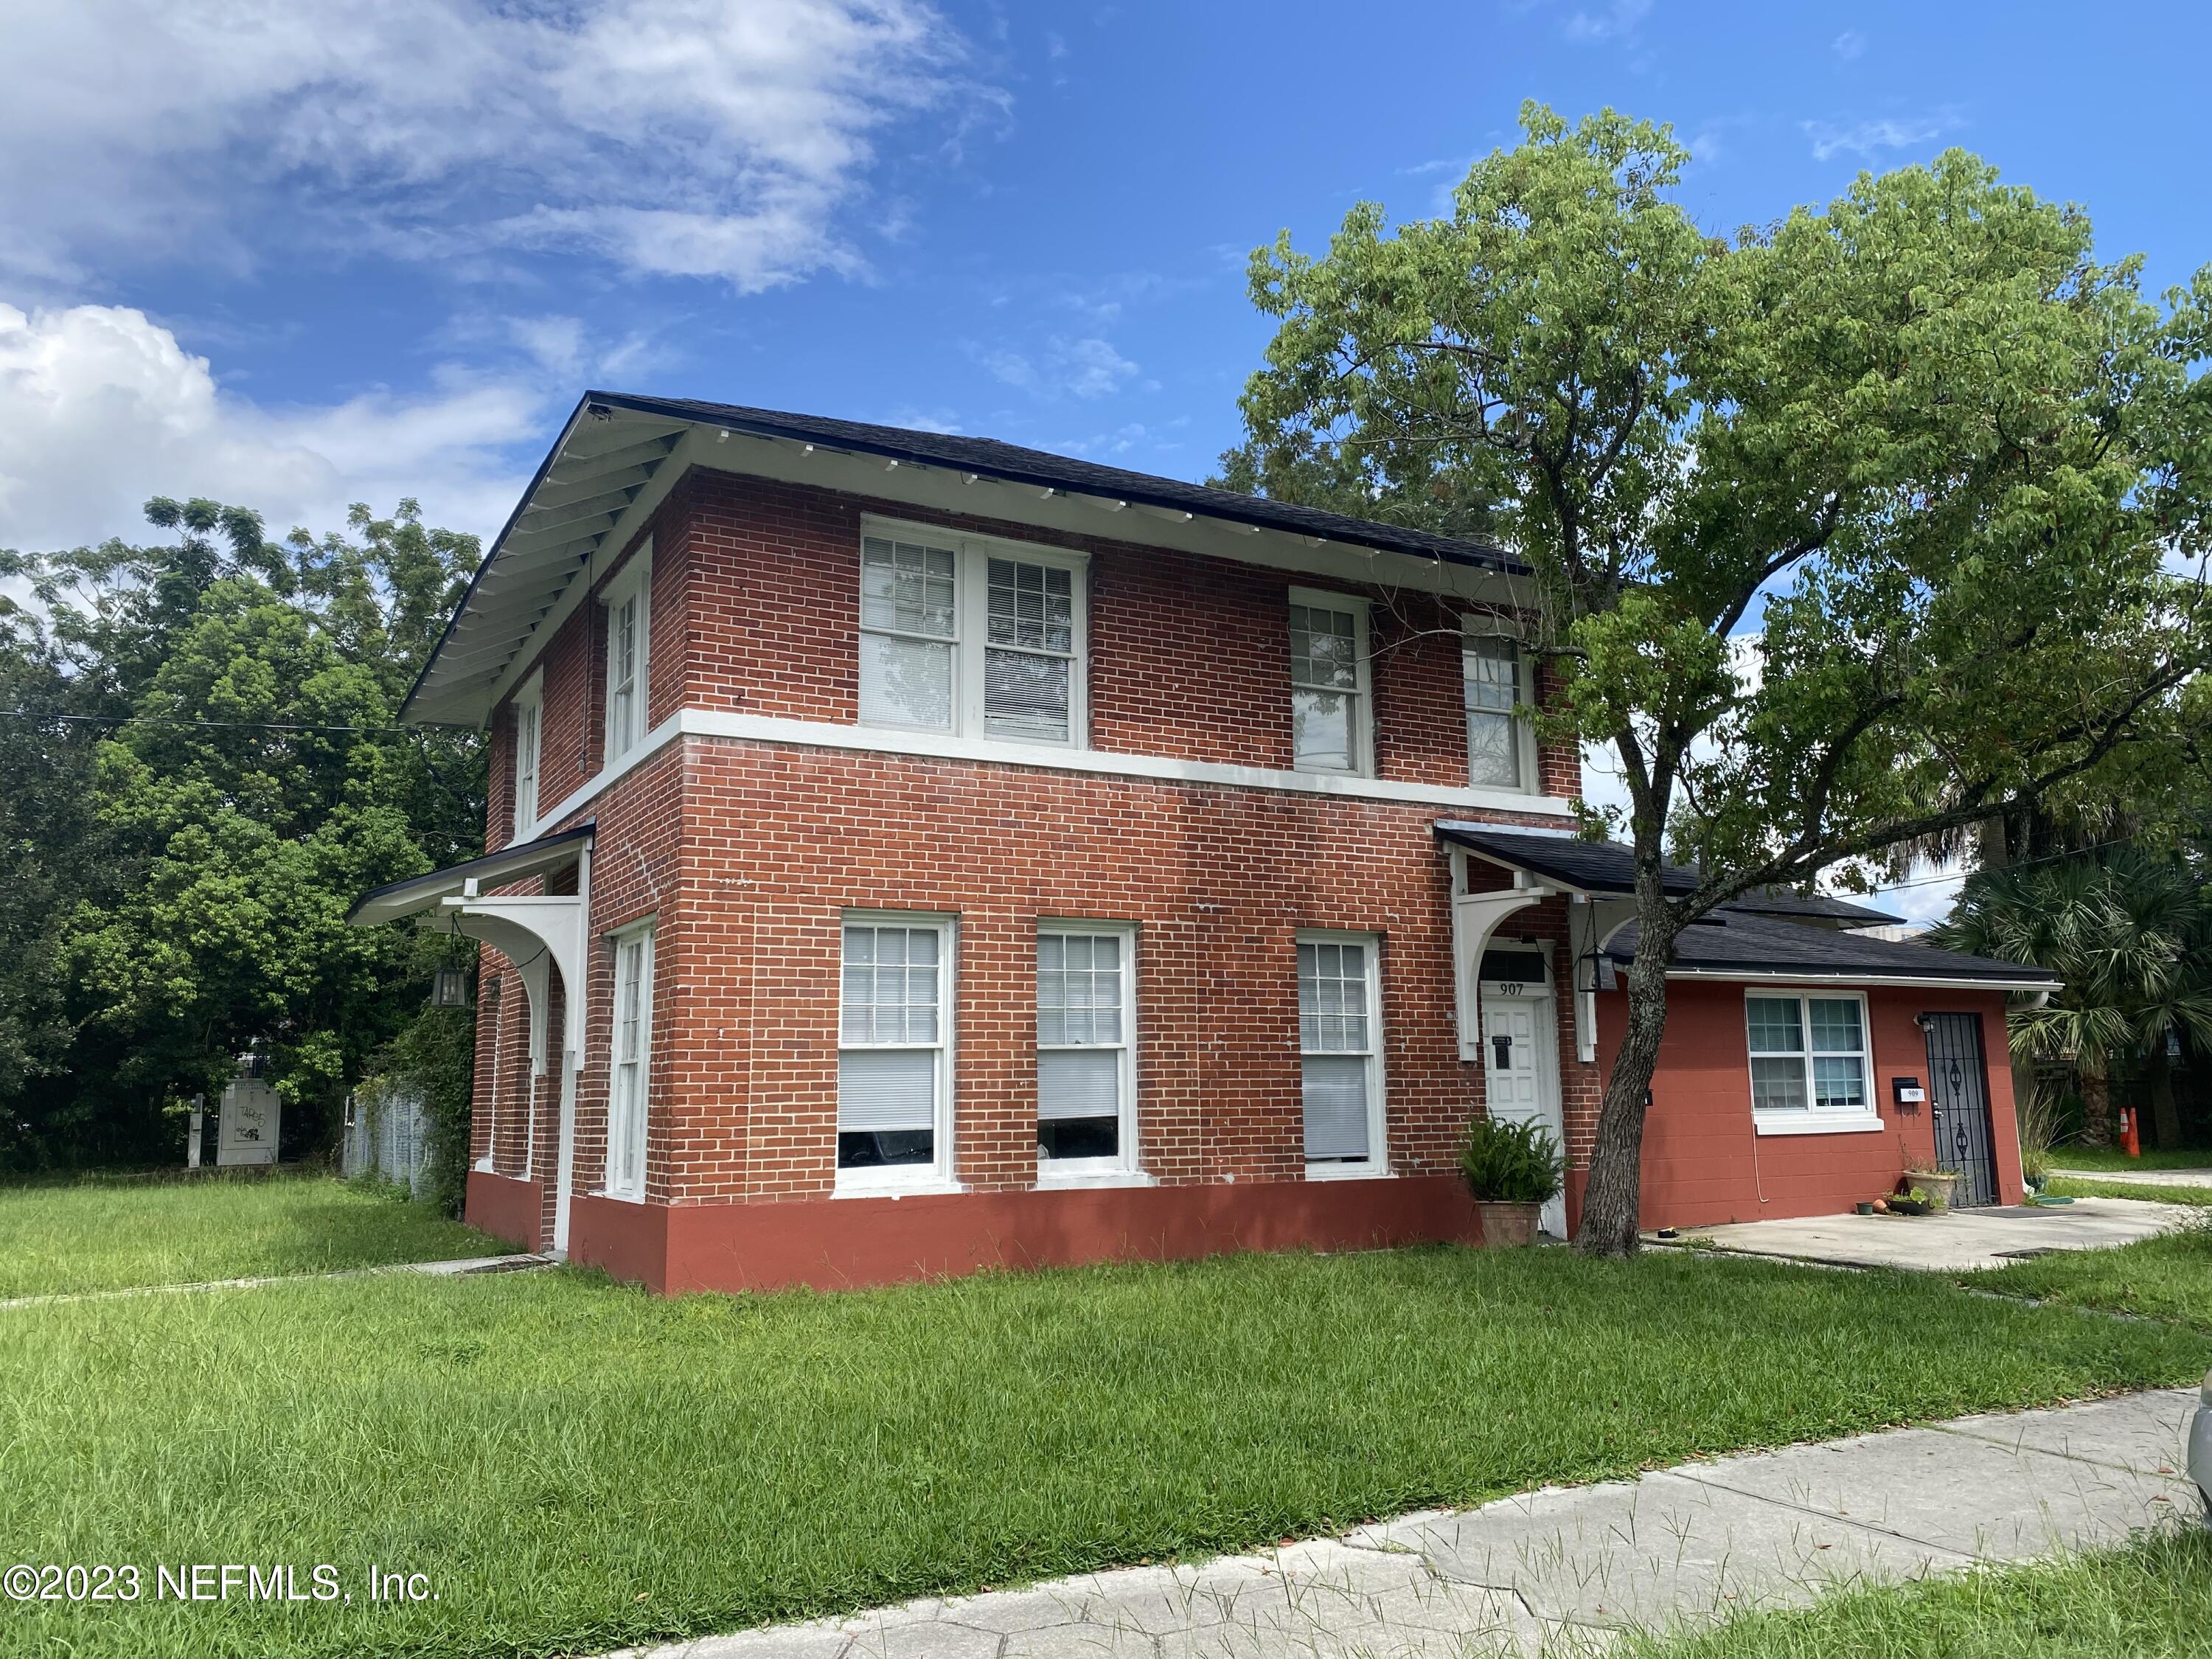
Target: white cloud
1848,46
1618,22
1087,368
1865,139
101,408
720,138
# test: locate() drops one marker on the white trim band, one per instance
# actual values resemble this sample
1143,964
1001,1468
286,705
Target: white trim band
1802,1123
939,746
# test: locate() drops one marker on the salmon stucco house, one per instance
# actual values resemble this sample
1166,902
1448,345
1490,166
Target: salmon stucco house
910,853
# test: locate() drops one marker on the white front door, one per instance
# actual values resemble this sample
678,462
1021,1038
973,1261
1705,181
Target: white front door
1521,1067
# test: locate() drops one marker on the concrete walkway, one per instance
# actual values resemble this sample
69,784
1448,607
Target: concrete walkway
467,1264
1956,1241
1564,1570
2141,1177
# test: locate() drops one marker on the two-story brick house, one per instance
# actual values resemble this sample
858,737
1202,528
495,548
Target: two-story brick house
911,853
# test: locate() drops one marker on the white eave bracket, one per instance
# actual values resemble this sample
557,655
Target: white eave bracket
534,933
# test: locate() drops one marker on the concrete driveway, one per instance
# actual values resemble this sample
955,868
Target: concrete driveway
1955,1240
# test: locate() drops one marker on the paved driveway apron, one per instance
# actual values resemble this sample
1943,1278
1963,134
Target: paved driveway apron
1563,1570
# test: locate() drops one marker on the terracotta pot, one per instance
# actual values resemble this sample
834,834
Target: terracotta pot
1506,1224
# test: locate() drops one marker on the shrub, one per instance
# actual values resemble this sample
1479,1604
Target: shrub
1507,1163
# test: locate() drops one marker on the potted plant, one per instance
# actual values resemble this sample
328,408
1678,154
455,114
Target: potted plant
1513,1170
1934,1185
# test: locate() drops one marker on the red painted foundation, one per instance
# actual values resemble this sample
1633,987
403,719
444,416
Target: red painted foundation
838,1243
506,1208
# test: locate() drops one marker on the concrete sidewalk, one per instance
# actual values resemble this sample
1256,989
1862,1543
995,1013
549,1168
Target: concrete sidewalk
450,1268
1564,1570
2140,1177
1954,1241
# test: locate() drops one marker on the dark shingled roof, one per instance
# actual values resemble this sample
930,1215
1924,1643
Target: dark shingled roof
1607,866
1751,944
990,458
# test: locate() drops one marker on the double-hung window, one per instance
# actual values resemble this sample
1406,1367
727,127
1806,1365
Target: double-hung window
1340,1052
629,1069
529,733
1086,1074
894,1050
628,601
1811,1067
1500,744
970,636
1330,683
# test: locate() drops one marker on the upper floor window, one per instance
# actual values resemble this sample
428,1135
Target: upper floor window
628,601
529,734
962,634
1330,688
1500,742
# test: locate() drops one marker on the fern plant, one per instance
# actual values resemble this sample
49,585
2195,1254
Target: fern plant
1507,1163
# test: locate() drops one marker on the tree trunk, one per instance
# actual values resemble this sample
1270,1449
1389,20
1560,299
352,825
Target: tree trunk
2165,1115
2096,1104
1611,1201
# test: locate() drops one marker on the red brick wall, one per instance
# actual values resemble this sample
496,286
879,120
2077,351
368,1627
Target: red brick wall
1702,1164
779,841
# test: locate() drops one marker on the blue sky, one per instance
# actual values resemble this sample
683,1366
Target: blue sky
296,256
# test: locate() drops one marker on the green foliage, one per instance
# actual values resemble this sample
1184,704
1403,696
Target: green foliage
2168,1278
580,1467
230,781
1844,532
2129,933
1509,1162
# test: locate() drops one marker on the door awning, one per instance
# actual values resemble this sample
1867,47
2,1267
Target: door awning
398,900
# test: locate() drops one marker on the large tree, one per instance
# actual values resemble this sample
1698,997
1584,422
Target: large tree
1846,531
209,722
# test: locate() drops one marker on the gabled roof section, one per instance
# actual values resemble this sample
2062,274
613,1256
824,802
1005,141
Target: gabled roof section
615,443
1753,946
1607,867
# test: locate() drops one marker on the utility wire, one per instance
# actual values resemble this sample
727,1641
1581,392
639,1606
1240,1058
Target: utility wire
165,720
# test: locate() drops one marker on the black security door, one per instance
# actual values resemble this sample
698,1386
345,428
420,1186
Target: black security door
1958,1083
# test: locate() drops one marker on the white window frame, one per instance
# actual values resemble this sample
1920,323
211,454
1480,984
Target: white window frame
1124,1167
1362,722
969,642
1812,1121
937,1175
1377,1161
530,723
633,582
633,1128
1524,734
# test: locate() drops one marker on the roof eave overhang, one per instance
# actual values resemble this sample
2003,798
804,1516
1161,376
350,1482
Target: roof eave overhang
1755,975
1353,534
396,901
563,525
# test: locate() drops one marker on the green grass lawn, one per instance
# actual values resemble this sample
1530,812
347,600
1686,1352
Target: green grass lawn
2061,1188
2169,1277
2153,1600
105,1236
2112,1158
575,1465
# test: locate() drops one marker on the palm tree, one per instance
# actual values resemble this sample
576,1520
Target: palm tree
2131,935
